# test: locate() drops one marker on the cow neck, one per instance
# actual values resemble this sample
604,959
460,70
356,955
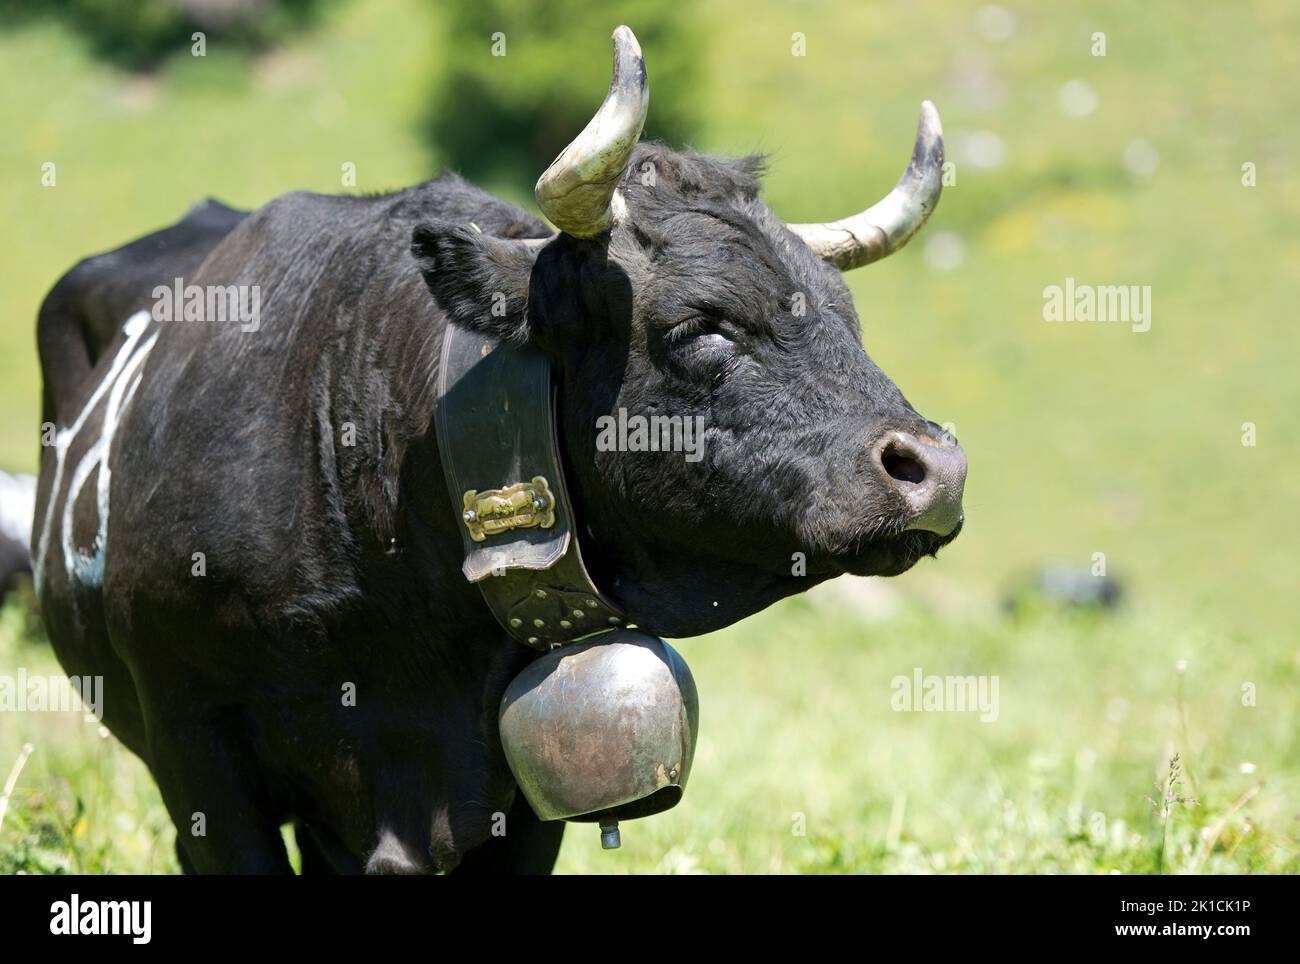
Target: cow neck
498,442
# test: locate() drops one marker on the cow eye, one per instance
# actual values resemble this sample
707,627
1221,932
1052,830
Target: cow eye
700,330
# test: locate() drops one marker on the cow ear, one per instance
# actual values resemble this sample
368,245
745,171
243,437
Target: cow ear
481,282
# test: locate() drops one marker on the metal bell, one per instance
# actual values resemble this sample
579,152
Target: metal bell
602,730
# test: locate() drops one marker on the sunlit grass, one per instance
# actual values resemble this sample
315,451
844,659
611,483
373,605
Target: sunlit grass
798,733
803,766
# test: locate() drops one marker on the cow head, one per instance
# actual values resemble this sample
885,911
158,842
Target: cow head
671,290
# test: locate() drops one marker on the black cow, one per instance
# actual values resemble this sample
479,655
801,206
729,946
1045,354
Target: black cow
209,542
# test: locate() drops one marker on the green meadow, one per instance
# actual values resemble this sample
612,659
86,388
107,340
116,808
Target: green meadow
1169,456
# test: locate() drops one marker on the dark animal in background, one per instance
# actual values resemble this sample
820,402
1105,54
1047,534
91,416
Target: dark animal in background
1065,585
17,502
208,542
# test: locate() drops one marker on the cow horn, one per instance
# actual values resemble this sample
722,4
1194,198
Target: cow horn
576,190
888,224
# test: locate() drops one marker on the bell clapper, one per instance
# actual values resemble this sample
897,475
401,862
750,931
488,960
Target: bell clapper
609,835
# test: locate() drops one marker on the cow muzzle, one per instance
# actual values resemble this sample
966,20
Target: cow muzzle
928,474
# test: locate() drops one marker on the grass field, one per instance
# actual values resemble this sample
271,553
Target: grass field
1083,438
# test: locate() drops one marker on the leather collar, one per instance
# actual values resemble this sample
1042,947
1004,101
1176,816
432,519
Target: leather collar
500,453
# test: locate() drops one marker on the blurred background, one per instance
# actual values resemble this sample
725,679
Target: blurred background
1107,142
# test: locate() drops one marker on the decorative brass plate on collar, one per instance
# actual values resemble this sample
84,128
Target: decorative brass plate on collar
519,506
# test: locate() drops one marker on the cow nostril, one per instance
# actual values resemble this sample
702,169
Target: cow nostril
902,467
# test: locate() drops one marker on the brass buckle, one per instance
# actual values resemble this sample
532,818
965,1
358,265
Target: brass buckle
519,506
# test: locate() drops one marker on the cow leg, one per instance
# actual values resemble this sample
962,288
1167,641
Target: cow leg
322,853
211,789
182,858
314,861
530,845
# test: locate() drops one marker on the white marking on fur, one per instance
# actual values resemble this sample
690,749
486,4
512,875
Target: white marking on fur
116,381
91,568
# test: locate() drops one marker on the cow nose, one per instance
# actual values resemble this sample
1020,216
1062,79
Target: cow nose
929,474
